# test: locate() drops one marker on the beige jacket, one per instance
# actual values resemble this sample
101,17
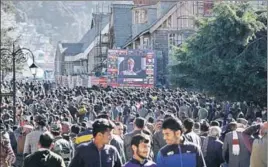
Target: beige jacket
259,152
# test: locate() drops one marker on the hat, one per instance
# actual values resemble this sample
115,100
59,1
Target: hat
55,128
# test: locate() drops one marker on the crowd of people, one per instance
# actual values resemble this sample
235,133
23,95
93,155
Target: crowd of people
128,127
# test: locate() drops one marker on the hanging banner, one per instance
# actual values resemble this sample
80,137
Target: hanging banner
70,82
89,84
65,81
74,79
85,82
79,82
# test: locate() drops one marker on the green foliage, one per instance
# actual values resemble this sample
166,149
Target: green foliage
226,57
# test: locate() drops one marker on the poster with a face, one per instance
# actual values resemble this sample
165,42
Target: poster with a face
133,66
130,68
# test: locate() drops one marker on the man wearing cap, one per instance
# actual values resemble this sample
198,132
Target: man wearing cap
31,141
98,153
61,146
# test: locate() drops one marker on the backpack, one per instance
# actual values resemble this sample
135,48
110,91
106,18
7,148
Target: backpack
63,148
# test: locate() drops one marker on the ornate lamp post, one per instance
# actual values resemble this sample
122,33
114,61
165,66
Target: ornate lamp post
19,55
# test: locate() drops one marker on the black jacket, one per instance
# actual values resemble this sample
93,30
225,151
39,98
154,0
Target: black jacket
213,155
88,155
43,158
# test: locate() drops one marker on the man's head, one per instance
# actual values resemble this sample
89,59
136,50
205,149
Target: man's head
204,126
102,130
46,140
188,124
131,64
56,129
40,120
172,130
214,131
66,127
214,123
119,129
139,123
140,145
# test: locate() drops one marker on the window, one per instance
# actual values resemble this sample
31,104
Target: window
169,22
145,43
179,41
171,40
140,16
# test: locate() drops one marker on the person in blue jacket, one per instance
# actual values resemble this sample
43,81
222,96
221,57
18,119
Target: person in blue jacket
98,152
178,152
140,145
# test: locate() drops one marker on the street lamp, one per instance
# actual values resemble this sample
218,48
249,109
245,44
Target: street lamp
19,55
33,69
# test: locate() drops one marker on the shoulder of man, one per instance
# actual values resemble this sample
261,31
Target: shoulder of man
83,147
110,147
56,156
186,147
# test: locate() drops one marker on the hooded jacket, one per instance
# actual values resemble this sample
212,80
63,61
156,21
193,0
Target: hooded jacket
185,154
43,158
134,163
88,155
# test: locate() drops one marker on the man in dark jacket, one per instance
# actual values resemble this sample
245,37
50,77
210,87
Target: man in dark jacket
44,157
178,152
190,135
97,153
212,147
140,145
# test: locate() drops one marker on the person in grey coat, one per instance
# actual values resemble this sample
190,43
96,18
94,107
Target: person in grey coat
139,128
189,134
158,139
237,146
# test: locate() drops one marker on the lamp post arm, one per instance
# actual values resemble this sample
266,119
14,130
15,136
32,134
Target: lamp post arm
6,50
25,49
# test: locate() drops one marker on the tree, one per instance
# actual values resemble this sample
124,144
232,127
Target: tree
9,34
9,31
226,57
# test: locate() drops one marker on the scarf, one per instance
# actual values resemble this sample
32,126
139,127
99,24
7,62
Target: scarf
235,143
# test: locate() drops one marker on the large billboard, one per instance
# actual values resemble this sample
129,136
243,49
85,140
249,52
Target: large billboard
131,68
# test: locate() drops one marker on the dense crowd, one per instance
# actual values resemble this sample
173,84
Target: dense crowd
133,127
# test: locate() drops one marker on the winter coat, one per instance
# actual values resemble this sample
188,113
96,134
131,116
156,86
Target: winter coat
259,152
245,144
212,151
43,158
